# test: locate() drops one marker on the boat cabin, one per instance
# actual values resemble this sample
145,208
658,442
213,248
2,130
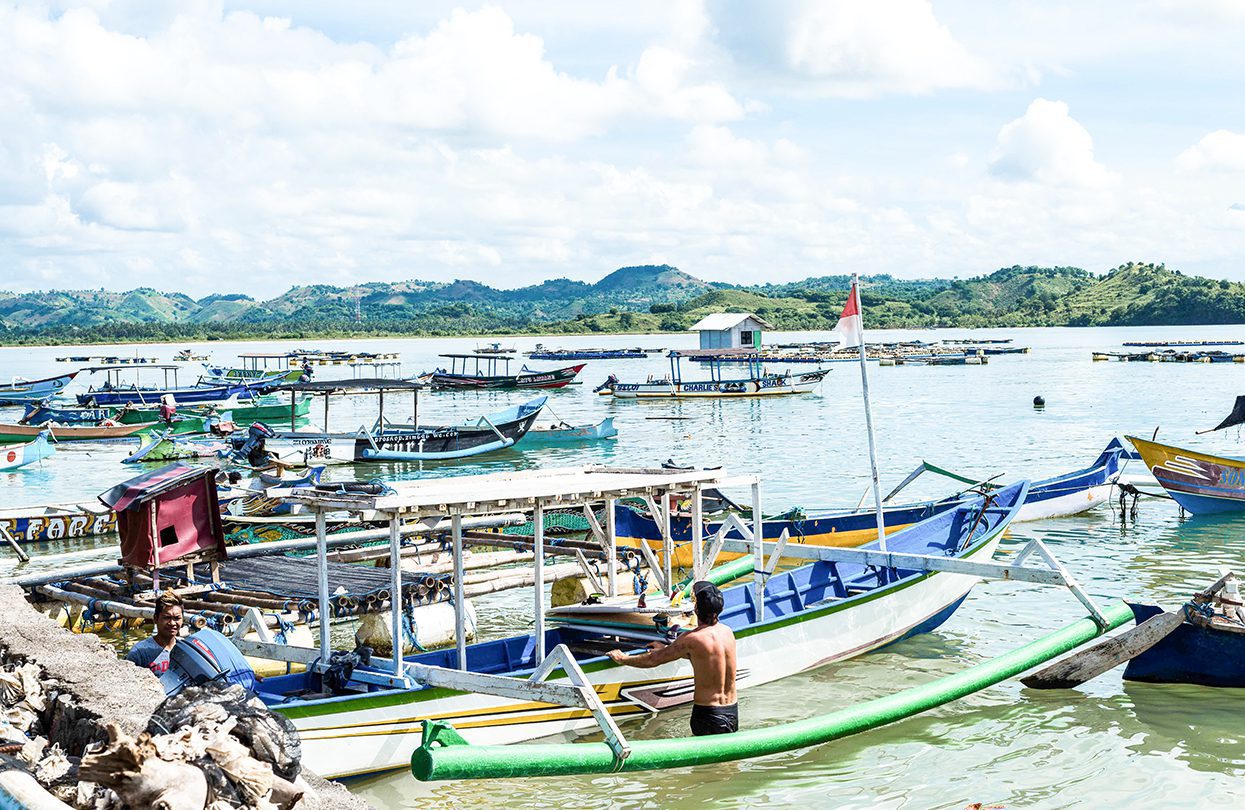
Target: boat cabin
166,517
731,330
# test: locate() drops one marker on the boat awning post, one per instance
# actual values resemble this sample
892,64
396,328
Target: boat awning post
538,576
460,621
698,538
380,419
758,552
326,411
396,605
667,542
415,407
611,537
293,417
322,569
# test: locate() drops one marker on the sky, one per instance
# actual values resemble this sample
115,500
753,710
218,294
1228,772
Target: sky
210,147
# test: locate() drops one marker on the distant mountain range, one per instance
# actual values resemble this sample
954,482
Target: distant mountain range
648,298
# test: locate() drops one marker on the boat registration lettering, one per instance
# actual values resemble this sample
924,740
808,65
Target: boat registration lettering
1232,478
319,451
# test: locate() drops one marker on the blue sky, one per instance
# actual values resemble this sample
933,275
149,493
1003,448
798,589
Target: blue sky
209,147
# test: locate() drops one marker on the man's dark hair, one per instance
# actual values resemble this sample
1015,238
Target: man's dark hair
709,602
167,599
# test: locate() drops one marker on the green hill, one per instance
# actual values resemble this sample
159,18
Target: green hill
650,298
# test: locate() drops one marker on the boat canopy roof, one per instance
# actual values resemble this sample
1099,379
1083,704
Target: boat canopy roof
504,492
484,356
377,384
143,488
130,367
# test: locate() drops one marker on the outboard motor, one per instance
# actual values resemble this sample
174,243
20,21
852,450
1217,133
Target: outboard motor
253,447
205,656
608,385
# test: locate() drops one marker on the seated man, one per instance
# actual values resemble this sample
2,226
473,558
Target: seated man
153,652
711,649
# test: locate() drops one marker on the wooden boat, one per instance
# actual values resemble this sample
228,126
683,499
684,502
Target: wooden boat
115,391
563,433
814,615
1201,483
32,524
164,446
101,417
60,433
389,442
1061,496
188,355
758,383
15,456
587,354
1207,648
22,391
474,371
225,374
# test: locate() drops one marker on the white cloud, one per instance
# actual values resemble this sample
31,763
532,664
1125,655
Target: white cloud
885,46
1220,150
1046,145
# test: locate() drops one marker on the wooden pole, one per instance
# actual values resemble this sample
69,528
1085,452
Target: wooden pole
326,411
864,385
395,588
460,622
538,564
322,564
698,540
758,553
611,538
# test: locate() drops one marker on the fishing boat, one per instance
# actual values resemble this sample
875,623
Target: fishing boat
188,355
115,391
541,353
386,441
14,457
1201,483
1060,496
32,524
104,417
758,383
21,391
10,434
164,446
475,371
1206,648
564,433
811,616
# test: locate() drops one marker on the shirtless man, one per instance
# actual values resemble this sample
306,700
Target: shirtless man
711,648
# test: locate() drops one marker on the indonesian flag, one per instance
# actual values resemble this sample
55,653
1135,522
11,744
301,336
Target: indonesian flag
851,329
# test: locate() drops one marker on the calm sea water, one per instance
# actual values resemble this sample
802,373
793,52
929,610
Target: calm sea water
1105,744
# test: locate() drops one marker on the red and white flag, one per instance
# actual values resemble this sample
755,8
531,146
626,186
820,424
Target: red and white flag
851,329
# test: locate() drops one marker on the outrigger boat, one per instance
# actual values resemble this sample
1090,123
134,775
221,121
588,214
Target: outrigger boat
32,524
758,383
492,371
1061,496
807,617
22,391
10,434
108,417
14,457
387,441
565,433
115,391
1203,484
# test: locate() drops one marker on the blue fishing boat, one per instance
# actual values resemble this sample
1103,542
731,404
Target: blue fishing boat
116,391
587,354
1061,496
21,391
563,433
1207,648
810,616
16,456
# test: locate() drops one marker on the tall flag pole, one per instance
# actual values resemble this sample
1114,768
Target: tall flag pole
851,329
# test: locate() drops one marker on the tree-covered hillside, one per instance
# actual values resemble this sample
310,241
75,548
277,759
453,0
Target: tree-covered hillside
650,298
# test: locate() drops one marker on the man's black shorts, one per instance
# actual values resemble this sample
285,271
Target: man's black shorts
715,719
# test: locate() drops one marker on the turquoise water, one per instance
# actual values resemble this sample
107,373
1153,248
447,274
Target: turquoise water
1106,744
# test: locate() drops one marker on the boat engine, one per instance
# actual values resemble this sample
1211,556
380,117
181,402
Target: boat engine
205,656
252,447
